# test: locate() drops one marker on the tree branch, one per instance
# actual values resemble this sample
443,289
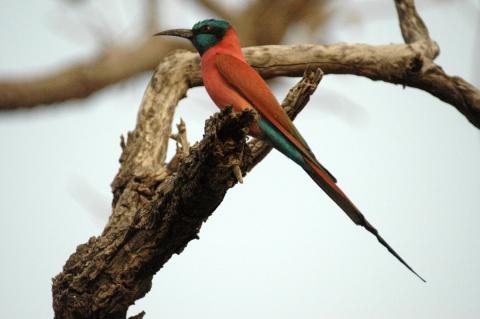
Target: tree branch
121,62
155,212
411,24
81,80
409,65
404,64
183,147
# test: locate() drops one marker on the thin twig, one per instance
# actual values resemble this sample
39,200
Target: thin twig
182,146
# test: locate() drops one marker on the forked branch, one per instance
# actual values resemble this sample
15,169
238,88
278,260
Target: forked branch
156,211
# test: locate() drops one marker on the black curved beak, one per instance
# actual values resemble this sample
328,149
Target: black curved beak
182,33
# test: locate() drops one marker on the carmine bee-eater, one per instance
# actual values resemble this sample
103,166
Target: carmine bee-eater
231,81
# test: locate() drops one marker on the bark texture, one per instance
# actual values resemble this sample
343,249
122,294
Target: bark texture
157,210
157,216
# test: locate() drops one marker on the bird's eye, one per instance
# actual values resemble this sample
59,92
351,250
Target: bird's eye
207,29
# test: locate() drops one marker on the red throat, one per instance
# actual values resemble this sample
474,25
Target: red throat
229,44
221,92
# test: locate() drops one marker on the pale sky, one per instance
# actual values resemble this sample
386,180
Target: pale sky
277,246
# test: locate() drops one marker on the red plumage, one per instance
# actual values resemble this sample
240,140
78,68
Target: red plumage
231,81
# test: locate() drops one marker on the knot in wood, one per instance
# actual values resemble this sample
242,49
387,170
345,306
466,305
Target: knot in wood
415,64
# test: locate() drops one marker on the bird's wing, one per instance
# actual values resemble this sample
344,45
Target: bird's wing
253,88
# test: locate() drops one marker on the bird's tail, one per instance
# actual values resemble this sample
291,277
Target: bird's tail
328,185
323,178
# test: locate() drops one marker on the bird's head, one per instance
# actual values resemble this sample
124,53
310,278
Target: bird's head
204,34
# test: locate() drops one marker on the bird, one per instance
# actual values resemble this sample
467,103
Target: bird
231,82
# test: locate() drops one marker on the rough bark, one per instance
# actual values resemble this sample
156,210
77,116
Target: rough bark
156,212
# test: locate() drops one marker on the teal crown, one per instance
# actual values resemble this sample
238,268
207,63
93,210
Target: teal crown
208,33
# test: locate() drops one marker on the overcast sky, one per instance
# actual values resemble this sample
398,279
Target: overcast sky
277,246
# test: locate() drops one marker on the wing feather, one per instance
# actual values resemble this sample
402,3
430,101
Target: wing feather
250,84
254,89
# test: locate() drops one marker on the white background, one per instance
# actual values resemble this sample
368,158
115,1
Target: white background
277,246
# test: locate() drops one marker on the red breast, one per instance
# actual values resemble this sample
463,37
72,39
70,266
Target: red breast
218,89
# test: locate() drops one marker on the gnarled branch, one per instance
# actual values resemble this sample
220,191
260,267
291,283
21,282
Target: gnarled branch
157,212
404,64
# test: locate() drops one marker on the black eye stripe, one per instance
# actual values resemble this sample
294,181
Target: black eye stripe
208,29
